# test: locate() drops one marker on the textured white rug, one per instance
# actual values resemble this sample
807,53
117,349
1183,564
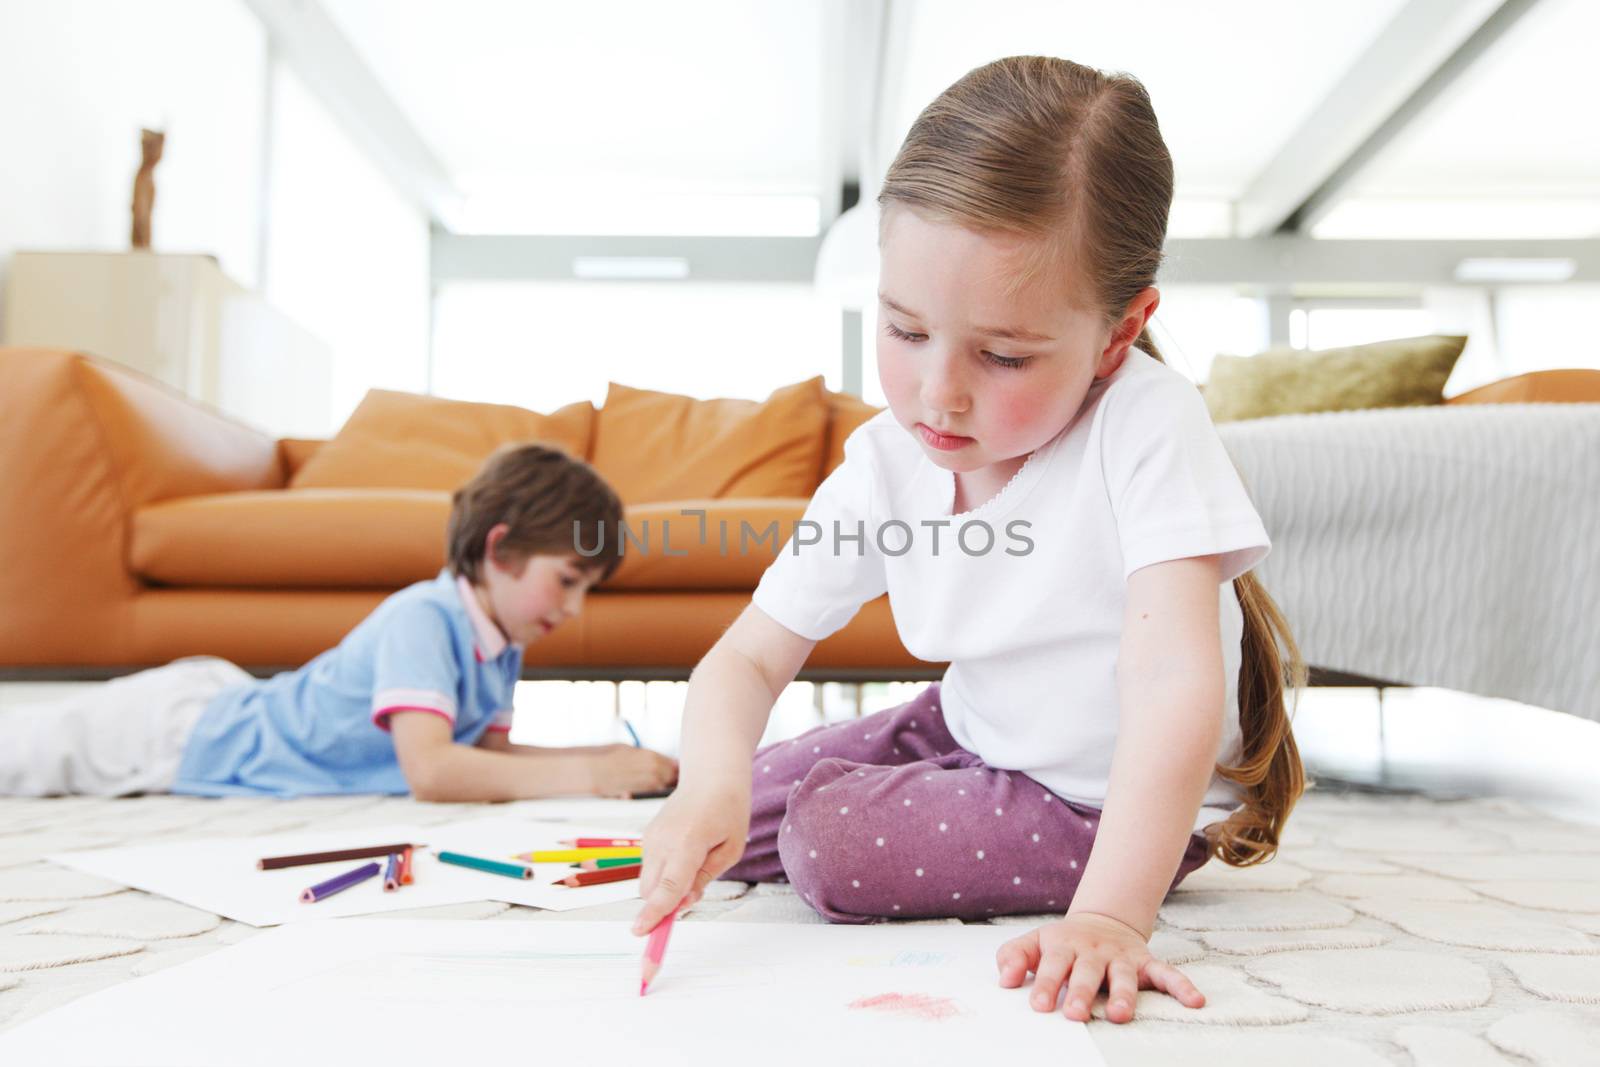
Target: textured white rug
1392,931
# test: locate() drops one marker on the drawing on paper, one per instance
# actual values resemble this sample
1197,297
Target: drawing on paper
908,958
911,1005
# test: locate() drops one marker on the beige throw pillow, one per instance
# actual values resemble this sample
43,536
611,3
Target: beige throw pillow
1287,381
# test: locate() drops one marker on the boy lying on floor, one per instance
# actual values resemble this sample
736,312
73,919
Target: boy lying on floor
416,698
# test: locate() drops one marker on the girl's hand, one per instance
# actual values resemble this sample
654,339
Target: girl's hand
1086,950
696,836
622,770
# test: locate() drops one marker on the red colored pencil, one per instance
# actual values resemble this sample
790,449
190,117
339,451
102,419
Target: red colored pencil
405,866
610,874
604,842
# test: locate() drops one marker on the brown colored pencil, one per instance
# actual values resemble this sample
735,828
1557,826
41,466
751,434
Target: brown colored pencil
272,863
611,874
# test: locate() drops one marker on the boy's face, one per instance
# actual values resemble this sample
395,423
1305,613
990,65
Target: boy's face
530,598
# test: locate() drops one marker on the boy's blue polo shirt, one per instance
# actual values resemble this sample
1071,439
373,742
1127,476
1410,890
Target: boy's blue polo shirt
324,728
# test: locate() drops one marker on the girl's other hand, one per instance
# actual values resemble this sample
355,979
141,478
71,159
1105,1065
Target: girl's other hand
1083,952
696,836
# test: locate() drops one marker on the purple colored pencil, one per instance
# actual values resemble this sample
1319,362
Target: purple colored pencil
338,883
391,873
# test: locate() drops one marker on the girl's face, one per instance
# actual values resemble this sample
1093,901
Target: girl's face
981,377
530,600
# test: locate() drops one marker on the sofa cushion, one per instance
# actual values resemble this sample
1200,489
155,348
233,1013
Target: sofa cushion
1287,381
406,441
388,538
656,447
1572,386
296,538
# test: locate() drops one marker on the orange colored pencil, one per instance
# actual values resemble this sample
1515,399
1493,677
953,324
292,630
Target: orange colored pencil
405,865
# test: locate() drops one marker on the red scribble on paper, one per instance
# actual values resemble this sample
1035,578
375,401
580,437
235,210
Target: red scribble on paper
916,1005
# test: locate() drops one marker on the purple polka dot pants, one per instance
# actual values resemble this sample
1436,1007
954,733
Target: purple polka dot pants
886,817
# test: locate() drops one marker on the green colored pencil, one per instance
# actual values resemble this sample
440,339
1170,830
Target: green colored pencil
510,870
600,865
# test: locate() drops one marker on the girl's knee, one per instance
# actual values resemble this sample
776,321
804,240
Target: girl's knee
826,854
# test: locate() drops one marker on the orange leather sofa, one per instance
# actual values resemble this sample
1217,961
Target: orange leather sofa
137,526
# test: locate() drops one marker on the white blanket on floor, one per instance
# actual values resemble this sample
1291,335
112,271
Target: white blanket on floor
1454,546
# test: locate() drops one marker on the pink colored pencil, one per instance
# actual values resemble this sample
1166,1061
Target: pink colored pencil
654,951
604,842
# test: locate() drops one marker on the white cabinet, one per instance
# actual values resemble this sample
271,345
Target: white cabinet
179,319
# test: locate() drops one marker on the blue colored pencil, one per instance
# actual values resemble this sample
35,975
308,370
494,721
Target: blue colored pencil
338,883
391,873
628,726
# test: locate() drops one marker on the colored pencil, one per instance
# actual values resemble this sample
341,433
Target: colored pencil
405,865
615,874
601,865
510,870
337,884
604,842
272,863
654,951
628,726
573,855
391,873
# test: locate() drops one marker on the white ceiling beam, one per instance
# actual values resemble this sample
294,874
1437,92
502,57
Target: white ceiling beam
1420,53
309,42
1263,262
459,257
1288,260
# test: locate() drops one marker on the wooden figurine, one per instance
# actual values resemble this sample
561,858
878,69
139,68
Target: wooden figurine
144,185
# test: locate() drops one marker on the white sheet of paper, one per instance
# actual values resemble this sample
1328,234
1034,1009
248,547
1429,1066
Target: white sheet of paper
220,875
407,991
630,815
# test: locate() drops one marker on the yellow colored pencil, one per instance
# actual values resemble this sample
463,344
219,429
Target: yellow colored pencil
573,855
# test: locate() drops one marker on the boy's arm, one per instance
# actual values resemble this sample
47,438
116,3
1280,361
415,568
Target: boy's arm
1171,696
438,769
500,741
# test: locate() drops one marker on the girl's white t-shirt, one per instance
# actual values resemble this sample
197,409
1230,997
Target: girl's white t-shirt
1031,623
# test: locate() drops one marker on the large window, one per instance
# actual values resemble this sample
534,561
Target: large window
1336,326
347,254
543,344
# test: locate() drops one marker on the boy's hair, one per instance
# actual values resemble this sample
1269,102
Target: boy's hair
1073,158
551,502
